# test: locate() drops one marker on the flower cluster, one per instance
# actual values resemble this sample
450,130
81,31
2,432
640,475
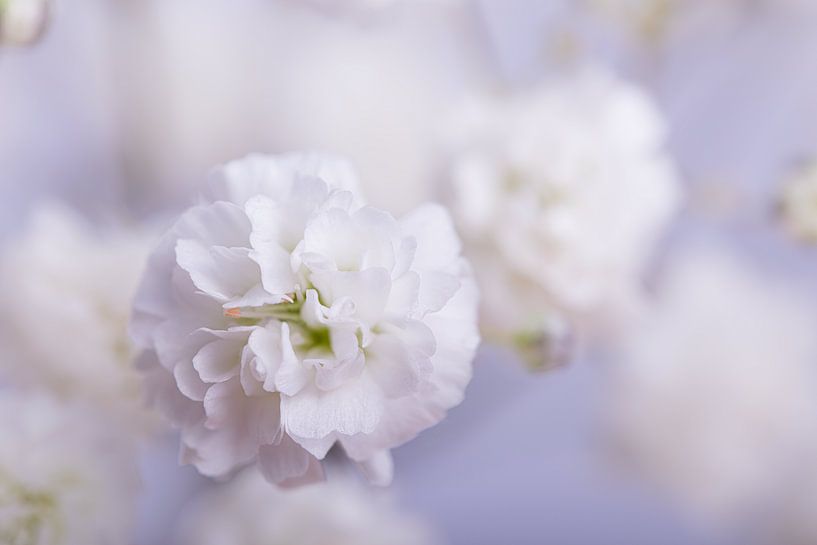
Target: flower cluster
63,477
69,292
281,316
560,195
714,395
250,512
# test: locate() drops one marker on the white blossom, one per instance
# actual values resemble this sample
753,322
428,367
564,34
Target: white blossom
798,203
22,21
65,477
67,290
247,511
264,86
714,398
560,193
281,316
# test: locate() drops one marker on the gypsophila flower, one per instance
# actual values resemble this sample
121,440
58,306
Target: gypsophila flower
22,21
281,316
560,194
798,203
250,512
714,396
66,477
69,292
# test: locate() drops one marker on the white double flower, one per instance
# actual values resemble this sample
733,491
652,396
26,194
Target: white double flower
281,316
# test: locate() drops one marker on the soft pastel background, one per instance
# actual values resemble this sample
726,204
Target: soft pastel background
124,105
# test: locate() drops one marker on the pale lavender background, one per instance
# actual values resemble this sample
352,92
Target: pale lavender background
523,459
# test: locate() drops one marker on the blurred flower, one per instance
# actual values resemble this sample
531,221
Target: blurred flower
292,317
68,293
248,511
649,19
714,398
22,21
655,21
798,203
560,194
275,76
64,477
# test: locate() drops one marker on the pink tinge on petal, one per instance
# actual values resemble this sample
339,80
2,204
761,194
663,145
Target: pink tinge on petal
284,462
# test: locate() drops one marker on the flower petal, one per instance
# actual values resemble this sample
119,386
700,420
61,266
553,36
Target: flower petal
356,407
188,381
438,245
368,289
223,273
283,461
219,360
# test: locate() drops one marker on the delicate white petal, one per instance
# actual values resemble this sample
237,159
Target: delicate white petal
268,346
369,290
283,461
223,273
391,365
436,290
188,381
354,408
438,245
333,373
218,360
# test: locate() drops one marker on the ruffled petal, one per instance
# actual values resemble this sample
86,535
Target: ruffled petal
354,408
368,289
223,273
438,246
219,360
283,461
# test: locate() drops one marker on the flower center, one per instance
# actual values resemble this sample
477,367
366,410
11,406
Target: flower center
289,312
305,335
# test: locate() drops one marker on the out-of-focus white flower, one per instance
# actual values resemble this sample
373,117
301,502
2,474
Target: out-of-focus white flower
714,398
256,75
248,511
65,477
22,21
798,204
560,194
656,20
67,291
288,317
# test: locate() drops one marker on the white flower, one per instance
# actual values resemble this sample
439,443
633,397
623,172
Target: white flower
715,396
798,203
22,21
275,59
560,194
67,293
248,511
658,20
288,317
64,478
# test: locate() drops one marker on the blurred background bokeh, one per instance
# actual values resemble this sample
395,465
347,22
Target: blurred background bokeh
678,407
